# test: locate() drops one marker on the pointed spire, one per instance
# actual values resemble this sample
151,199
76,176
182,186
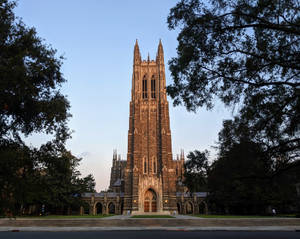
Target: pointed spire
136,54
114,156
160,53
182,154
148,57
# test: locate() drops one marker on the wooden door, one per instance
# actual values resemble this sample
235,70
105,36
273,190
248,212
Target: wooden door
146,206
153,206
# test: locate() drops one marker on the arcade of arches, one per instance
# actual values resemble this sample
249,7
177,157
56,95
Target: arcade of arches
111,203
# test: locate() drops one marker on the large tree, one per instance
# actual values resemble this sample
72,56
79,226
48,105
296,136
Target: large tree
196,169
31,102
30,80
246,53
245,180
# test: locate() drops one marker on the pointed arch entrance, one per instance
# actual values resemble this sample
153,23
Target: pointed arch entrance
189,208
99,208
150,201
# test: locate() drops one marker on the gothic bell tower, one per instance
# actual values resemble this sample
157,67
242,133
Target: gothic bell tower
150,174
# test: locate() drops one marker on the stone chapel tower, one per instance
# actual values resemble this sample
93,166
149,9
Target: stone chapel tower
150,177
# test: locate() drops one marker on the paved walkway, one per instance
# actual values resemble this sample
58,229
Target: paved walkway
178,216
124,222
157,228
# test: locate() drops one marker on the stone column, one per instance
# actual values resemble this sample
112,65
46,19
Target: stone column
81,210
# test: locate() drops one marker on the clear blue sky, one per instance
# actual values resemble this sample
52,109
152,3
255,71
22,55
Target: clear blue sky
97,38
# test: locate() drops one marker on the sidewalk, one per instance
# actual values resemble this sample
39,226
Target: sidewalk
178,216
67,229
121,222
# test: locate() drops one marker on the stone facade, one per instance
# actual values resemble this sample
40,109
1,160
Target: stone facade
117,174
150,180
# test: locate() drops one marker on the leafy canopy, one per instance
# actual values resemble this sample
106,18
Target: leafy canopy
31,102
30,80
245,52
196,169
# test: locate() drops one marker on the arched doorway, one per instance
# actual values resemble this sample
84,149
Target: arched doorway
99,208
150,201
111,208
189,208
178,208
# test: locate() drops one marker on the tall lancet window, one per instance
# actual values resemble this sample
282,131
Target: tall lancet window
145,94
153,87
154,165
145,164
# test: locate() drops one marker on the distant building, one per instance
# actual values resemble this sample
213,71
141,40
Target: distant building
149,181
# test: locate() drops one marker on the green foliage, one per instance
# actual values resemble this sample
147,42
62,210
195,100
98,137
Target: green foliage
31,102
196,168
246,180
44,176
237,180
18,179
246,53
30,77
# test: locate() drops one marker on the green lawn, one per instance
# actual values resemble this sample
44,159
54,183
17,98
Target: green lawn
152,216
66,216
239,216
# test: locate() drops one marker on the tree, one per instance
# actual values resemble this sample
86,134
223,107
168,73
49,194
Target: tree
244,52
47,176
30,80
246,180
61,182
237,181
196,168
31,102
18,179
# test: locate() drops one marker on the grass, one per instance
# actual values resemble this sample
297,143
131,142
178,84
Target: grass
66,216
243,216
152,216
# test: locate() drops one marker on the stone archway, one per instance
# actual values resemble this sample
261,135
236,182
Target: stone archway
111,208
189,208
150,201
99,208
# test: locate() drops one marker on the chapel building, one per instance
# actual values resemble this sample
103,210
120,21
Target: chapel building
150,180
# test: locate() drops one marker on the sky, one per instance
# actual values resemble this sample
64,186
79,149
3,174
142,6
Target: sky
97,38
